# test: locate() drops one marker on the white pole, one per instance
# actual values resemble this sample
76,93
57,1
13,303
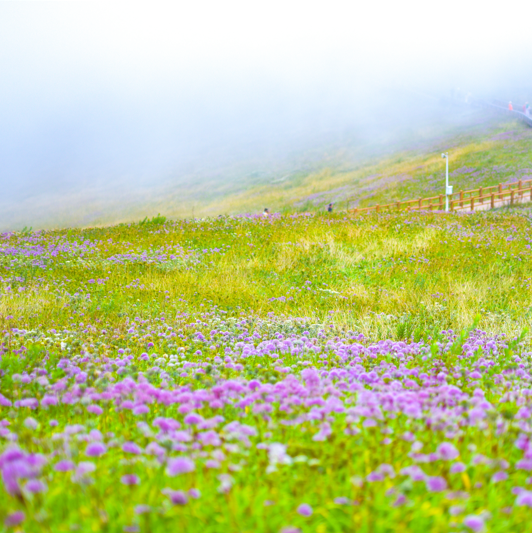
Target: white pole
446,183
446,156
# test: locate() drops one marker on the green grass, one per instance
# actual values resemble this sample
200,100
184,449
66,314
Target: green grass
425,271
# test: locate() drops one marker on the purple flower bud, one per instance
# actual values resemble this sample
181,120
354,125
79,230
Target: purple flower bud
141,410
435,484
456,468
64,466
194,493
304,509
177,497
179,465
474,523
447,451
524,498
95,449
35,485
375,476
94,409
400,500
130,479
14,519
192,419
499,476
131,447
85,467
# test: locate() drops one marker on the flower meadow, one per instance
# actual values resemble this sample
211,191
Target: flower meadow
281,374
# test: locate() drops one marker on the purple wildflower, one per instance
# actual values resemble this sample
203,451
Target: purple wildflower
14,519
524,498
95,449
64,466
131,447
435,484
499,476
447,451
193,418
94,409
179,465
35,485
456,468
177,497
474,523
400,500
375,476
304,509
130,479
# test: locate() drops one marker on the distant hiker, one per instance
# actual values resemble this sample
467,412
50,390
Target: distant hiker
329,208
527,110
266,212
510,106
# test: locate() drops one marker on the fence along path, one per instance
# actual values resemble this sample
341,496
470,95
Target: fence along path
474,199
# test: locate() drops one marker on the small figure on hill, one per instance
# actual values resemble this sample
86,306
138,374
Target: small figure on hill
266,212
527,110
330,208
510,106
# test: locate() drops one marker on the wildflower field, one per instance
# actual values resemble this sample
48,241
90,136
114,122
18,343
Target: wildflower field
281,374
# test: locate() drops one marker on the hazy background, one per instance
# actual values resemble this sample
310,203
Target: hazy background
106,107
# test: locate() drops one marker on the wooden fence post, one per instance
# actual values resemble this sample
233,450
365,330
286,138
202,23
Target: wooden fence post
520,185
451,206
398,206
512,197
377,208
531,192
472,203
500,191
420,200
480,195
461,198
493,199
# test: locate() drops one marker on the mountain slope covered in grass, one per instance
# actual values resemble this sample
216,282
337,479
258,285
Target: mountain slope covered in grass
386,163
487,152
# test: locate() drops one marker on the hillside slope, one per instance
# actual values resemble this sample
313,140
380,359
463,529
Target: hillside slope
390,162
489,152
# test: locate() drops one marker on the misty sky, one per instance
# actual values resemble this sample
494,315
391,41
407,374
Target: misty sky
93,94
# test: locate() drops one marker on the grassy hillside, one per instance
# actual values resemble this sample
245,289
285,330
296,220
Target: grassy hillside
387,163
488,152
251,374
